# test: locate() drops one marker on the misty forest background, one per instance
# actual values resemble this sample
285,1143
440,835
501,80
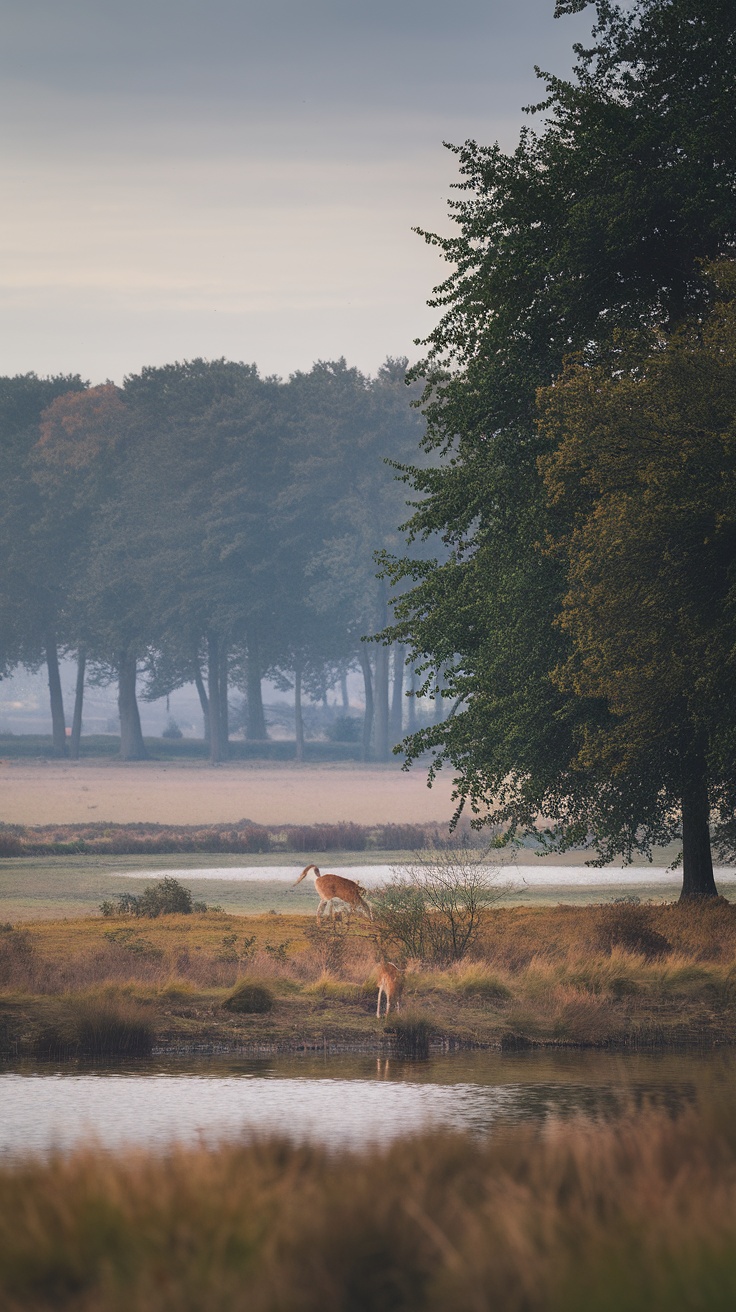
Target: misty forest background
204,525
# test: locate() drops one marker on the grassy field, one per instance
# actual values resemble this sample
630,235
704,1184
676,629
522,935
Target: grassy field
638,1214
637,977
190,792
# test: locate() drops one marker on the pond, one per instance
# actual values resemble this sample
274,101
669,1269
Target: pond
511,875
339,1101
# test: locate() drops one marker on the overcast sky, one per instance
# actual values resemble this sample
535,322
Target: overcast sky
241,177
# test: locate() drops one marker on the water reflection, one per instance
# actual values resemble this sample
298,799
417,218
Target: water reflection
335,1100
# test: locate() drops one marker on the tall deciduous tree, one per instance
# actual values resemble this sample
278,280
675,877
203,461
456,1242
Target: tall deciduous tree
344,496
39,542
85,443
208,466
599,223
642,472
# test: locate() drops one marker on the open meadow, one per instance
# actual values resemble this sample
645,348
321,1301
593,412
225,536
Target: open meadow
39,792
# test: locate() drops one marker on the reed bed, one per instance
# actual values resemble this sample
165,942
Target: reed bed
246,837
639,1214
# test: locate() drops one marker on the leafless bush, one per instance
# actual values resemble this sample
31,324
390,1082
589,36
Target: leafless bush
432,909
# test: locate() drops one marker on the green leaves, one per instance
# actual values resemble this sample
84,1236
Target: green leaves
588,242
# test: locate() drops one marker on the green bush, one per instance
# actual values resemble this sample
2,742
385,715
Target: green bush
166,898
249,999
345,729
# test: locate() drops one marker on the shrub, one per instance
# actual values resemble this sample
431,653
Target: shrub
166,898
16,954
172,730
328,941
433,909
95,1027
10,845
250,999
412,1034
628,925
132,941
345,729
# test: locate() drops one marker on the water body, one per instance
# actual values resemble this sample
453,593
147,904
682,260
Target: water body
341,1102
517,876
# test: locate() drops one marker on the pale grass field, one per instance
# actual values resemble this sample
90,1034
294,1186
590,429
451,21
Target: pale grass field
180,793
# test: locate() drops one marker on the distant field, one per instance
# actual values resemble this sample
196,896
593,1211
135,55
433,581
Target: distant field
40,746
37,792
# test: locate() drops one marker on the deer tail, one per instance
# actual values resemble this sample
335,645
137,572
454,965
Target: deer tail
305,872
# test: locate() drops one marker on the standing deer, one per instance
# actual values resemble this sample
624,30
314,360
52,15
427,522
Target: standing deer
335,886
390,982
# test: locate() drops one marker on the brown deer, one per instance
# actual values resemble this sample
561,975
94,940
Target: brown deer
335,886
390,982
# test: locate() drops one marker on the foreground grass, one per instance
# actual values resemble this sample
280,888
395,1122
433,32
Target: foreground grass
633,977
637,1214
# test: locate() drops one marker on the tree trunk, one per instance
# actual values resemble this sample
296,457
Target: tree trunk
204,700
224,716
365,665
58,722
381,702
255,724
397,695
298,720
344,693
411,710
380,687
132,747
697,859
439,701
78,704
213,693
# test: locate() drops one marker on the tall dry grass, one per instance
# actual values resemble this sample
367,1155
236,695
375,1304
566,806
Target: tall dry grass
94,1024
639,1215
625,975
245,836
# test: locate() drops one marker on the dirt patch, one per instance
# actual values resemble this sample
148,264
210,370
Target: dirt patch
45,792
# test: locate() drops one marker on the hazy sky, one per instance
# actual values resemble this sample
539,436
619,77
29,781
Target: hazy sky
240,177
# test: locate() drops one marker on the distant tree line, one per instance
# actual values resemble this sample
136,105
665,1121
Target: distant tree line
203,524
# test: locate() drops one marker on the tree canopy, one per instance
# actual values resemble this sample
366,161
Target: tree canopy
204,524
596,228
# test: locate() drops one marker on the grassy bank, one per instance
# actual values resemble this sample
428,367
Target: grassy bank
650,976
637,1214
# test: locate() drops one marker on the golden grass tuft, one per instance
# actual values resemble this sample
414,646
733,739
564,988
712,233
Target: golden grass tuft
94,1024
